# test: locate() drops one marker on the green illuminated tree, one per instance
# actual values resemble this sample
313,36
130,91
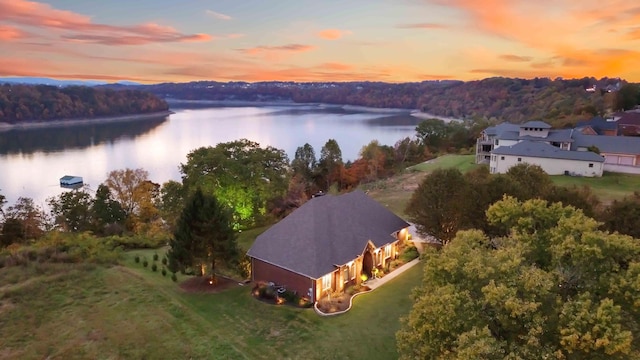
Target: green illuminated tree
555,288
204,236
241,175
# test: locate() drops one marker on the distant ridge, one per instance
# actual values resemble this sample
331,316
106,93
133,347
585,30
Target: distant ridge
56,82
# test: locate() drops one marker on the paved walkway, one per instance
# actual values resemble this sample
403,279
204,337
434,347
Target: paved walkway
376,283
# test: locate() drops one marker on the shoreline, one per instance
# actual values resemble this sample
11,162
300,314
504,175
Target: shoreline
424,116
246,103
83,121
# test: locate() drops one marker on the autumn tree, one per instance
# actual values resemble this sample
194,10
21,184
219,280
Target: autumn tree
532,182
432,133
439,205
23,221
125,186
204,236
555,288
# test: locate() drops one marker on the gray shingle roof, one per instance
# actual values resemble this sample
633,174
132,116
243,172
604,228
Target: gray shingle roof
536,124
562,135
499,129
608,144
544,150
598,124
326,231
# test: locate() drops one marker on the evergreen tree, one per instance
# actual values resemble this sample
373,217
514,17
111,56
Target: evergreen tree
204,235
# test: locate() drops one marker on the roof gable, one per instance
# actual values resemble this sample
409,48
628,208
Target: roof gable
326,231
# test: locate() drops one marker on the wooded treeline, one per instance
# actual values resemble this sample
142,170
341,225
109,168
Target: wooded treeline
558,101
28,103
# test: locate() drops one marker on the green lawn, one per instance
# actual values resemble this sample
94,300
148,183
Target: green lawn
609,187
462,162
63,311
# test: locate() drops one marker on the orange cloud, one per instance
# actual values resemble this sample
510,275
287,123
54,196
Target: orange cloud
421,26
332,34
33,14
515,58
263,49
8,33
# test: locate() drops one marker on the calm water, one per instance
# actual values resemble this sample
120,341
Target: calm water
32,161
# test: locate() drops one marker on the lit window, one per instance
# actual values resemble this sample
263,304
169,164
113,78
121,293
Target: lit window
387,251
345,274
353,271
326,282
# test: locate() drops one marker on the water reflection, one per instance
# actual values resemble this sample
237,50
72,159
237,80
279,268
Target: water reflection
54,139
32,161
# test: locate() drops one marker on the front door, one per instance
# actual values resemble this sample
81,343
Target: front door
367,263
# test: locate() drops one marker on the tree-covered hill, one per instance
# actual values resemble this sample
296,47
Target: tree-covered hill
557,101
28,103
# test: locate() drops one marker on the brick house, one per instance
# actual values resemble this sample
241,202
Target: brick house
327,244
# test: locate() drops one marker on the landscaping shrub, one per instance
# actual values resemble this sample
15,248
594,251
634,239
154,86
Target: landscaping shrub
409,253
155,257
145,263
164,271
137,259
154,267
164,261
174,277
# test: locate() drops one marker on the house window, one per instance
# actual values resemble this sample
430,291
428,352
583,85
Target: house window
590,165
345,274
326,282
501,157
496,142
387,251
353,271
519,159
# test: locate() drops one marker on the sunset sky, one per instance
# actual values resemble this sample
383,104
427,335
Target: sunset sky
154,41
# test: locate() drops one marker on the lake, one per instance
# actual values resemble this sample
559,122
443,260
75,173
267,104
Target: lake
33,160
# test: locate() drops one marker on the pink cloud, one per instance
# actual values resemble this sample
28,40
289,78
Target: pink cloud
332,34
218,15
81,28
263,49
8,33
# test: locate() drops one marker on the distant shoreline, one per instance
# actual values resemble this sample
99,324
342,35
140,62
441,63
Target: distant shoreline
82,121
244,103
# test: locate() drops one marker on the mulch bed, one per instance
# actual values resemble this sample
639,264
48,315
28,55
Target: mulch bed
200,284
337,303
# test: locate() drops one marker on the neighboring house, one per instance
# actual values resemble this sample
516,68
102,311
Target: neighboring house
598,126
553,160
620,153
507,134
327,244
629,123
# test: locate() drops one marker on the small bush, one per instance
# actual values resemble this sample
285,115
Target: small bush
154,267
137,259
164,261
164,271
145,263
174,277
409,254
155,257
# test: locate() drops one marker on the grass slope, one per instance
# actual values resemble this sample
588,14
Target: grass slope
62,311
609,187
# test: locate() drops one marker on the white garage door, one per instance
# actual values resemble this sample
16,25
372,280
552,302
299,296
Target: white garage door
611,159
625,160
